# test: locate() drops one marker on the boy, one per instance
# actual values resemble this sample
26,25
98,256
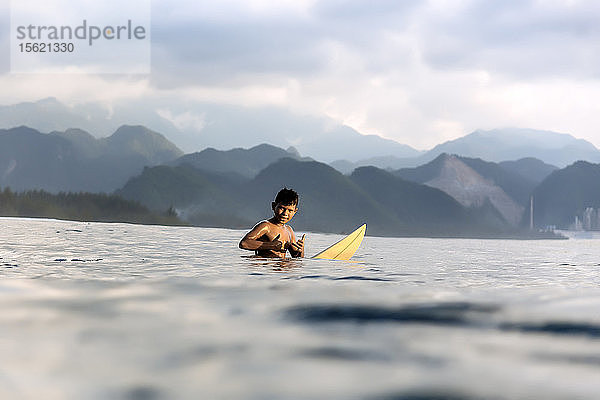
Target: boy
272,238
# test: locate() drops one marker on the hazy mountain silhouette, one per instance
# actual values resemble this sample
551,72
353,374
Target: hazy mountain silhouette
246,162
388,162
511,144
496,145
83,142
329,201
75,161
32,160
564,194
529,168
346,167
200,197
139,141
423,209
472,182
515,185
194,126
511,180
47,115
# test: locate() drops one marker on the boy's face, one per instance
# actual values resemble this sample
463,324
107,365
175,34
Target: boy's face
284,212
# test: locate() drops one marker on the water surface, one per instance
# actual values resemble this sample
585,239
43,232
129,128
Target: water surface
98,311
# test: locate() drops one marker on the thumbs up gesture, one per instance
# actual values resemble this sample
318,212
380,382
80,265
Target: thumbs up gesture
277,244
298,247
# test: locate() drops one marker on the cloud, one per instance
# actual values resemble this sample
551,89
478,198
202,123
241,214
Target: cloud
234,43
4,36
419,72
525,39
232,52
209,45
352,11
184,121
71,89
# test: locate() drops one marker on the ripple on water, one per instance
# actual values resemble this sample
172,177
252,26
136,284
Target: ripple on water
143,392
428,394
346,354
563,328
443,313
361,278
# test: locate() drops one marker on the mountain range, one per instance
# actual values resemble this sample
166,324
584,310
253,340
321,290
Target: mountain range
450,195
530,168
330,201
472,182
567,194
75,161
194,126
511,144
472,194
246,162
498,145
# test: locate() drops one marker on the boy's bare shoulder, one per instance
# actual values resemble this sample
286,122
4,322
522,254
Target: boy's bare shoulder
262,224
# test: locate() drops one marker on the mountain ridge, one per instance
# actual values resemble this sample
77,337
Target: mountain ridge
75,161
329,200
246,162
497,145
198,125
566,194
472,181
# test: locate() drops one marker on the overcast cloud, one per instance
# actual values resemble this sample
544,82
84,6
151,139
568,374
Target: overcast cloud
419,72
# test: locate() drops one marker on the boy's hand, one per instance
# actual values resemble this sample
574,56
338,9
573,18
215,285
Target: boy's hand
277,244
299,245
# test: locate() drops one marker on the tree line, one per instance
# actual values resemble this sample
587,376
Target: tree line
82,206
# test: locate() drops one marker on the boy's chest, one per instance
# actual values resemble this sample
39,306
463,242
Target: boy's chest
282,231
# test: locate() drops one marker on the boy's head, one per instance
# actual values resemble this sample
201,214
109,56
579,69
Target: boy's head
287,197
285,205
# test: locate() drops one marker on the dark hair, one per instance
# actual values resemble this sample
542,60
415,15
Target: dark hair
286,197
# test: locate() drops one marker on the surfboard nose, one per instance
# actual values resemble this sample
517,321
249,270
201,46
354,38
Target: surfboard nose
345,248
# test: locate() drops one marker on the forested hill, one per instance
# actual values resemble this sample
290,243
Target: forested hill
76,161
567,193
80,207
329,200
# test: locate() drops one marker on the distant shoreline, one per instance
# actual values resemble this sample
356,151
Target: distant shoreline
83,207
99,221
580,234
489,236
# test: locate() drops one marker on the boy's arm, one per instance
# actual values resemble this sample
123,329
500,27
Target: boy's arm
296,248
250,240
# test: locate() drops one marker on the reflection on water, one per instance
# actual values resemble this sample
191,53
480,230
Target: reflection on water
274,264
147,312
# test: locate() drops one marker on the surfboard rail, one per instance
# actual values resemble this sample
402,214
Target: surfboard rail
345,248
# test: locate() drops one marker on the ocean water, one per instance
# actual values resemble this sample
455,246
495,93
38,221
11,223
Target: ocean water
118,311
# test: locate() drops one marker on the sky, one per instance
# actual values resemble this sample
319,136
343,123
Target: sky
419,72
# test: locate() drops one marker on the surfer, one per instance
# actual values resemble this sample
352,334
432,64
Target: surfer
272,237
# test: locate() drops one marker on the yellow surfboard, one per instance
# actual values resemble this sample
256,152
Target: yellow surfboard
345,248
